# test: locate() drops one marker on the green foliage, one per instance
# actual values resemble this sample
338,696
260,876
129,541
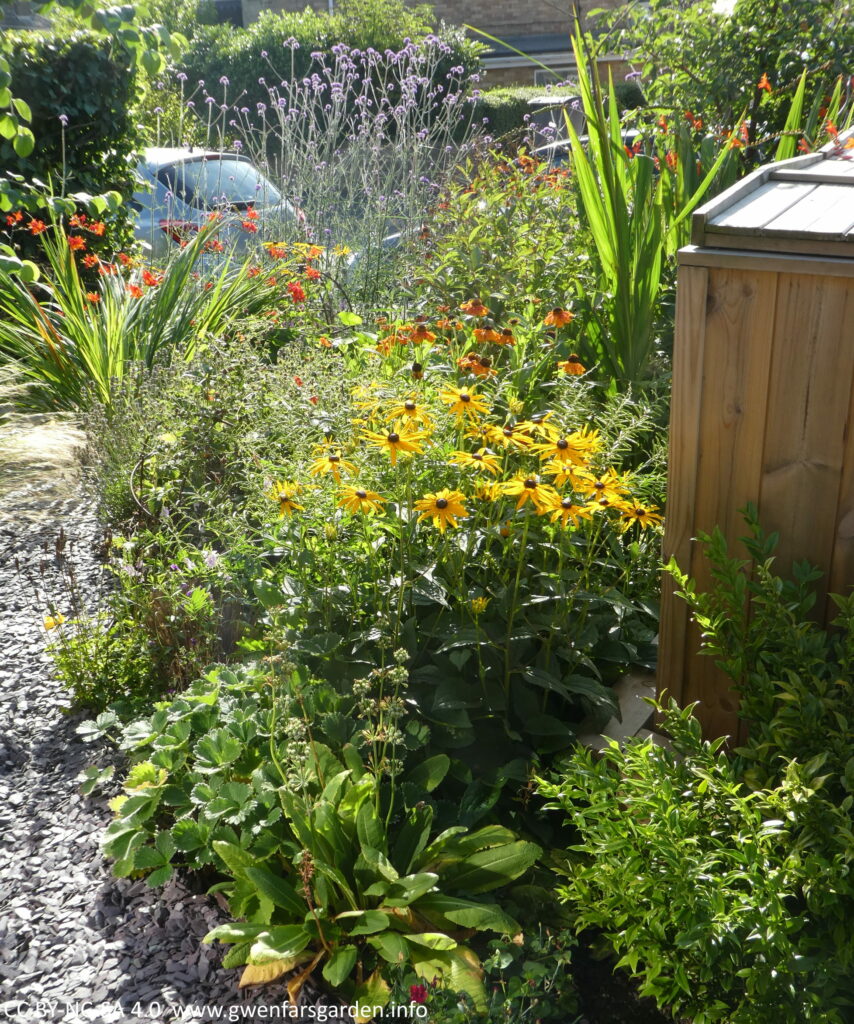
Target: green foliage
71,344
795,678
318,812
697,58
92,84
290,39
720,899
724,881
524,979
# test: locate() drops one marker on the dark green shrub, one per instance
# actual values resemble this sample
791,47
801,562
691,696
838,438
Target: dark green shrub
725,882
81,89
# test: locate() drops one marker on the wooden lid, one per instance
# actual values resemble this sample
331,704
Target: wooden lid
804,205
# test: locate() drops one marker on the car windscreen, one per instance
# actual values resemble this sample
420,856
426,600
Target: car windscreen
216,181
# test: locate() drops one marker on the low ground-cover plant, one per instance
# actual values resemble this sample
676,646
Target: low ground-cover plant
317,808
724,881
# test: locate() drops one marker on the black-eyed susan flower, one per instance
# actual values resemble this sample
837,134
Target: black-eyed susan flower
505,437
444,507
410,411
609,485
403,441
564,473
354,499
416,371
474,307
52,621
572,366
464,403
558,317
487,491
561,449
332,462
285,492
530,487
566,511
644,515
483,460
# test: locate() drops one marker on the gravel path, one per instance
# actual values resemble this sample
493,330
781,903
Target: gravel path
77,944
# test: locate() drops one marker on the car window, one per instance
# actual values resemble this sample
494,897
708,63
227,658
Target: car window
214,182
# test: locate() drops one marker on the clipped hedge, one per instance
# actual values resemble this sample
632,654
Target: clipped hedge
243,55
504,108
81,89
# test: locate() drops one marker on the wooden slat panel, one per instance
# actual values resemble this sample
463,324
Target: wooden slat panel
755,241
682,474
761,206
808,405
841,577
841,172
736,367
828,208
780,263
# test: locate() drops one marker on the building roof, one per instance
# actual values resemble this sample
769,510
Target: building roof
549,42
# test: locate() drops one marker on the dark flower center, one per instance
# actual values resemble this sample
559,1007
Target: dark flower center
508,431
361,495
417,367
639,512
566,503
599,485
573,359
409,406
441,503
557,311
465,398
477,457
393,438
531,483
562,444
334,458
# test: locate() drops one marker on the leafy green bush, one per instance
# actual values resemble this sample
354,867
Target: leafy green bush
317,809
725,882
81,89
697,58
280,47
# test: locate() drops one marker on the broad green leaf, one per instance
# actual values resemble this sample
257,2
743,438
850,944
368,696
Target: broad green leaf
402,892
467,914
391,946
430,772
368,922
491,868
338,967
279,943
432,940
25,141
373,992
23,108
278,890
235,932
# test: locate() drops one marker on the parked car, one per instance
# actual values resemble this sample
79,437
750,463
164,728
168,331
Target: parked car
180,188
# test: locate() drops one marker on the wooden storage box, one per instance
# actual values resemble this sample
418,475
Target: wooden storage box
763,394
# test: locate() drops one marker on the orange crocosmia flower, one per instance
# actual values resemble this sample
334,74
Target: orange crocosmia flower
314,251
97,227
35,227
558,317
324,342
804,146
573,366
312,273
247,225
91,260
251,214
276,252
125,260
671,159
474,307
76,242
134,291
107,269
253,271
93,297
77,221
763,83
271,281
152,280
